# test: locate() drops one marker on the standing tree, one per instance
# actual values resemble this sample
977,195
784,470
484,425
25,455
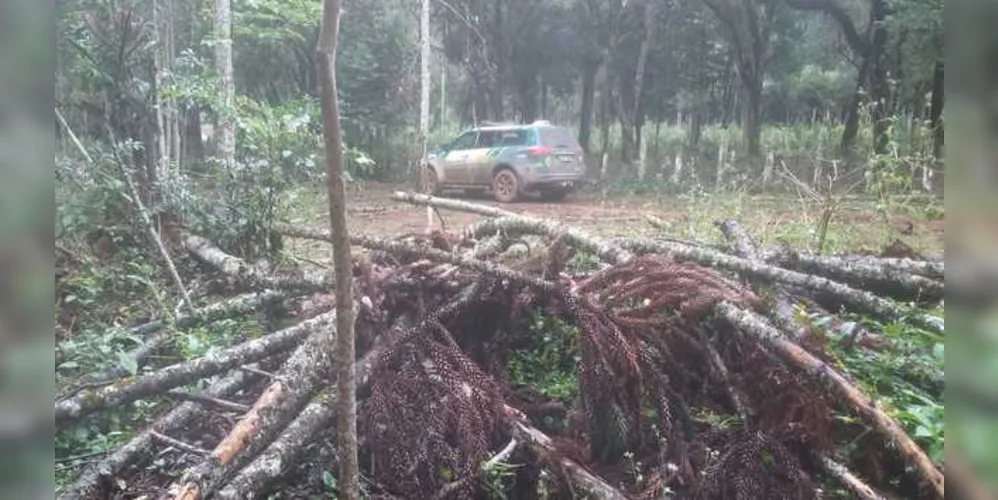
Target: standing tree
424,101
226,150
346,413
750,30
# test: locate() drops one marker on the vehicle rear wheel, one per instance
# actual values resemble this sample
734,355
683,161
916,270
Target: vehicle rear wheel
554,194
506,186
432,181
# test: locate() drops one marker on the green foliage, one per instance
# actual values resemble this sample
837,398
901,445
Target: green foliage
550,363
904,378
498,479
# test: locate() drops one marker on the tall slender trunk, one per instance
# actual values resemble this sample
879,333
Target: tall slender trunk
639,76
879,84
226,126
161,154
588,91
424,100
936,109
753,103
851,118
346,411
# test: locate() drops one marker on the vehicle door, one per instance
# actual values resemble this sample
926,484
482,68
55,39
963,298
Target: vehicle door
454,162
480,159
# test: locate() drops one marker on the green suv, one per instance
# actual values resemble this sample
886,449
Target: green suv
510,160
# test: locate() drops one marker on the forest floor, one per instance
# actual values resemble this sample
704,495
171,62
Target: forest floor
856,226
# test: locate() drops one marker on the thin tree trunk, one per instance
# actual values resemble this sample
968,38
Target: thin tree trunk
753,104
226,133
879,85
588,92
851,117
936,111
346,417
424,101
639,75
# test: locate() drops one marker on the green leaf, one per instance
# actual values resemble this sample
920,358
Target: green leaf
128,362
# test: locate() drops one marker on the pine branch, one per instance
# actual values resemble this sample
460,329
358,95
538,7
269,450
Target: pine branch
838,387
859,299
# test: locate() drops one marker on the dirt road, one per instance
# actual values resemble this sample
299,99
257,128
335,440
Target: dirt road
771,220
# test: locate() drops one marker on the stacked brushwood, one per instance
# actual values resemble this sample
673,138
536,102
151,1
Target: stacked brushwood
667,331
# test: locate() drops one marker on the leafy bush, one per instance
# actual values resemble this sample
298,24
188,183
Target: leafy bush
549,365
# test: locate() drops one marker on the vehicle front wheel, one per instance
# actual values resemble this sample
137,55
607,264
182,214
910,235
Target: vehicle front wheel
432,182
554,194
506,186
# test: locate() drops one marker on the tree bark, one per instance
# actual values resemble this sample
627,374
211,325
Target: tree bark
226,124
349,477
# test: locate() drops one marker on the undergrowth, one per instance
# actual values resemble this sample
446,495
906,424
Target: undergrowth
905,378
550,363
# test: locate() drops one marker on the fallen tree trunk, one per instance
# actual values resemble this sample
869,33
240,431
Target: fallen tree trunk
280,402
844,476
90,481
513,223
449,204
252,480
207,252
745,247
934,269
841,389
89,401
883,280
406,250
860,299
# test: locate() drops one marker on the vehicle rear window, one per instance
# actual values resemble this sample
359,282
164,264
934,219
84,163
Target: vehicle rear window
558,137
504,138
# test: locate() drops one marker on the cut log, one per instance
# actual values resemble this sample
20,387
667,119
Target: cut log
88,484
207,252
882,280
449,204
406,250
861,300
92,400
252,480
749,323
280,402
745,247
851,481
515,225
